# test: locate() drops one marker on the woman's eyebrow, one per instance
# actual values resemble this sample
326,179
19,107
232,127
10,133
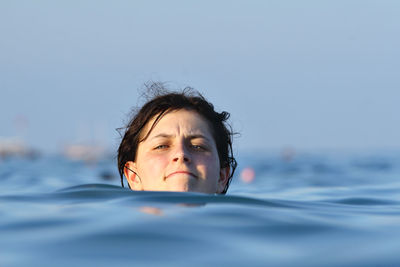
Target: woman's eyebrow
191,136
195,136
162,135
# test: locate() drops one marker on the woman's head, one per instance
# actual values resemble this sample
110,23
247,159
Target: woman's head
177,142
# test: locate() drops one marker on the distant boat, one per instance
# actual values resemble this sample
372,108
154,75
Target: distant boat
84,152
14,146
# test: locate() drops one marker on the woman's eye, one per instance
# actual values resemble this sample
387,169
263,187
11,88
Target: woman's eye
198,147
161,147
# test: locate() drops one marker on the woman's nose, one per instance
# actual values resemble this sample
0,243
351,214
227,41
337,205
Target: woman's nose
181,154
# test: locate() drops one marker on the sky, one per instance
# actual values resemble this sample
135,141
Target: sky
302,74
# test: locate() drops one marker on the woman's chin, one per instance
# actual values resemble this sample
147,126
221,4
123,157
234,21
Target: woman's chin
179,185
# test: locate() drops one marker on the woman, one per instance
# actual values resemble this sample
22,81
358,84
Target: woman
177,142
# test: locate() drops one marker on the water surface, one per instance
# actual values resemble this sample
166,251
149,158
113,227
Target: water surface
309,210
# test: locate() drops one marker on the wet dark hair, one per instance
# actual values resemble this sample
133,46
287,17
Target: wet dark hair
164,102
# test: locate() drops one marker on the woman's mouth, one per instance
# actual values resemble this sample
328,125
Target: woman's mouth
181,172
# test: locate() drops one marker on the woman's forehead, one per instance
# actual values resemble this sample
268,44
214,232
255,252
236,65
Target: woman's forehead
181,121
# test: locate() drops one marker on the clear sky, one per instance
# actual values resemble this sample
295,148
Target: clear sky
305,74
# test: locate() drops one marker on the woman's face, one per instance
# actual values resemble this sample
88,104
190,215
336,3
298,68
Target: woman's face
179,154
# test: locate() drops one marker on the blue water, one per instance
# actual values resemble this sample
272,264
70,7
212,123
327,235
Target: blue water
316,209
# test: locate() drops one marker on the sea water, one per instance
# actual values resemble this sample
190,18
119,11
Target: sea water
305,209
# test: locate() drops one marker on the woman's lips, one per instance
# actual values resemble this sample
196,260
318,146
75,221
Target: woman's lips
181,172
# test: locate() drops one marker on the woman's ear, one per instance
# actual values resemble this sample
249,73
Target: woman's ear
223,179
133,179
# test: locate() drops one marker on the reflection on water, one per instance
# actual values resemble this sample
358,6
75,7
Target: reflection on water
307,210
